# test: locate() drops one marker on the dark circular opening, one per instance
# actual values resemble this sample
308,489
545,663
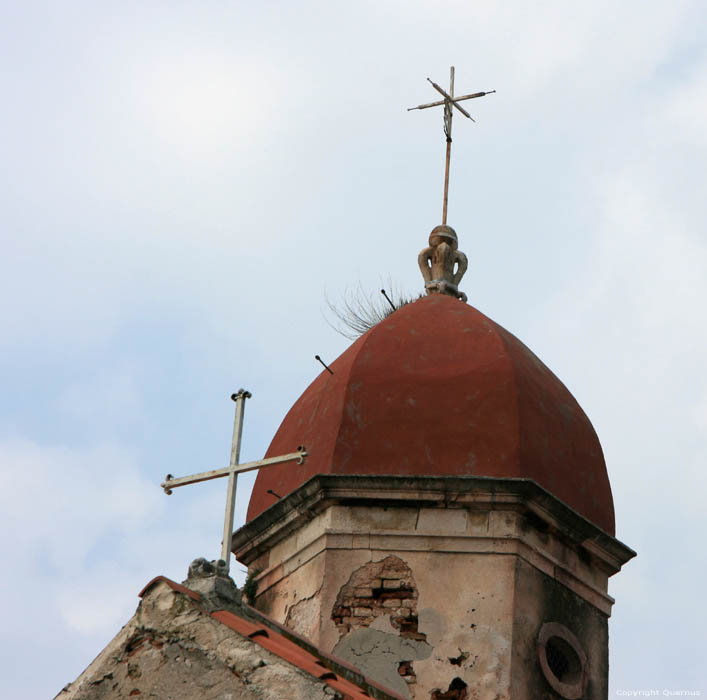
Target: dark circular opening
563,661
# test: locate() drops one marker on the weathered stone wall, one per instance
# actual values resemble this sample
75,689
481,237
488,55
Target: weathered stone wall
425,623
460,632
540,599
172,649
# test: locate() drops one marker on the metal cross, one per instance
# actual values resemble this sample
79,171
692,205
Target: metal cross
449,101
232,471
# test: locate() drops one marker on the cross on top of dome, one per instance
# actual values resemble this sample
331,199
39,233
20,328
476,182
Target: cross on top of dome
442,265
448,102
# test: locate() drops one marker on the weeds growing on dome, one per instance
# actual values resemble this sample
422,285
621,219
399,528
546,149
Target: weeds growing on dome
359,311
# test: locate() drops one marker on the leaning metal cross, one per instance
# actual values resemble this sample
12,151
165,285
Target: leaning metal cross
449,101
232,471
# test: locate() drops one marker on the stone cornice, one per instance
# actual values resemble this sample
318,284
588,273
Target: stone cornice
470,492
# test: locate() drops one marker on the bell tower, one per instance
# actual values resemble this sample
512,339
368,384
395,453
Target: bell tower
451,534
440,586
452,530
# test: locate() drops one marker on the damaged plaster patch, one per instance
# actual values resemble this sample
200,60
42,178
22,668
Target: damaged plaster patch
380,655
458,660
433,624
382,624
375,613
303,616
457,691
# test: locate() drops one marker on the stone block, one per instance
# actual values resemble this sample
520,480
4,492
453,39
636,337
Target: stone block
392,603
338,540
366,519
503,523
280,552
361,541
440,520
477,522
312,530
391,583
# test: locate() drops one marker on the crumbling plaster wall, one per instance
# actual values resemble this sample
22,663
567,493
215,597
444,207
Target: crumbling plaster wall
377,618
172,649
295,597
487,559
463,599
464,627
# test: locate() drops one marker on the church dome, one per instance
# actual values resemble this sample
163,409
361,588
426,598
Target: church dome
438,389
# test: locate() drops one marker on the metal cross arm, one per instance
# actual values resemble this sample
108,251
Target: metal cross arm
453,99
171,482
232,471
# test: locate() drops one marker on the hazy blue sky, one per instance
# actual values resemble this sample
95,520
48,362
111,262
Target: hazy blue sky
184,182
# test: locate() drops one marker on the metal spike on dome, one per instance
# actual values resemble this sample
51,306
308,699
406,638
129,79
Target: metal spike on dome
326,367
388,299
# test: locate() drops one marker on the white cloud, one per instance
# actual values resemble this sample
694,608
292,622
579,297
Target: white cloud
60,502
652,255
685,107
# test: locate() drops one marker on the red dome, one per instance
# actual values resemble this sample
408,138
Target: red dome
437,388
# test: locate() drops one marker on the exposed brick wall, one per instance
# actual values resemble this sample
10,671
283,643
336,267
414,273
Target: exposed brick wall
379,588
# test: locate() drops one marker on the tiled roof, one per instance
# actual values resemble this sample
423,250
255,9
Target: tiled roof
293,648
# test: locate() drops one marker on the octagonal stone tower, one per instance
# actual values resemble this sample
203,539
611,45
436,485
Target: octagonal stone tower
452,532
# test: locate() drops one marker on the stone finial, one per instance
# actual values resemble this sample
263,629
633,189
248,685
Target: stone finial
211,580
438,262
203,568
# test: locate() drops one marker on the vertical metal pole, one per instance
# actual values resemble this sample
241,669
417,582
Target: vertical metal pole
239,398
449,147
446,181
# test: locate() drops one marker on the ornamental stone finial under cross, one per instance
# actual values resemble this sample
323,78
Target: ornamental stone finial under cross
441,263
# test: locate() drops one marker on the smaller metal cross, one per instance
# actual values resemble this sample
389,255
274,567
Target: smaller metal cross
449,101
232,471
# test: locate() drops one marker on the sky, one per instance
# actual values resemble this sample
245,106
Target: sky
185,184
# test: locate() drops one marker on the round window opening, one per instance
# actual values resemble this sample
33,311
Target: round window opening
562,660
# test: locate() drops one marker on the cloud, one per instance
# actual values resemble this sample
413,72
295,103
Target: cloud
685,106
61,502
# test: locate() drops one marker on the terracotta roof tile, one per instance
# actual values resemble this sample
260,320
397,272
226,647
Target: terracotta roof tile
173,585
237,623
